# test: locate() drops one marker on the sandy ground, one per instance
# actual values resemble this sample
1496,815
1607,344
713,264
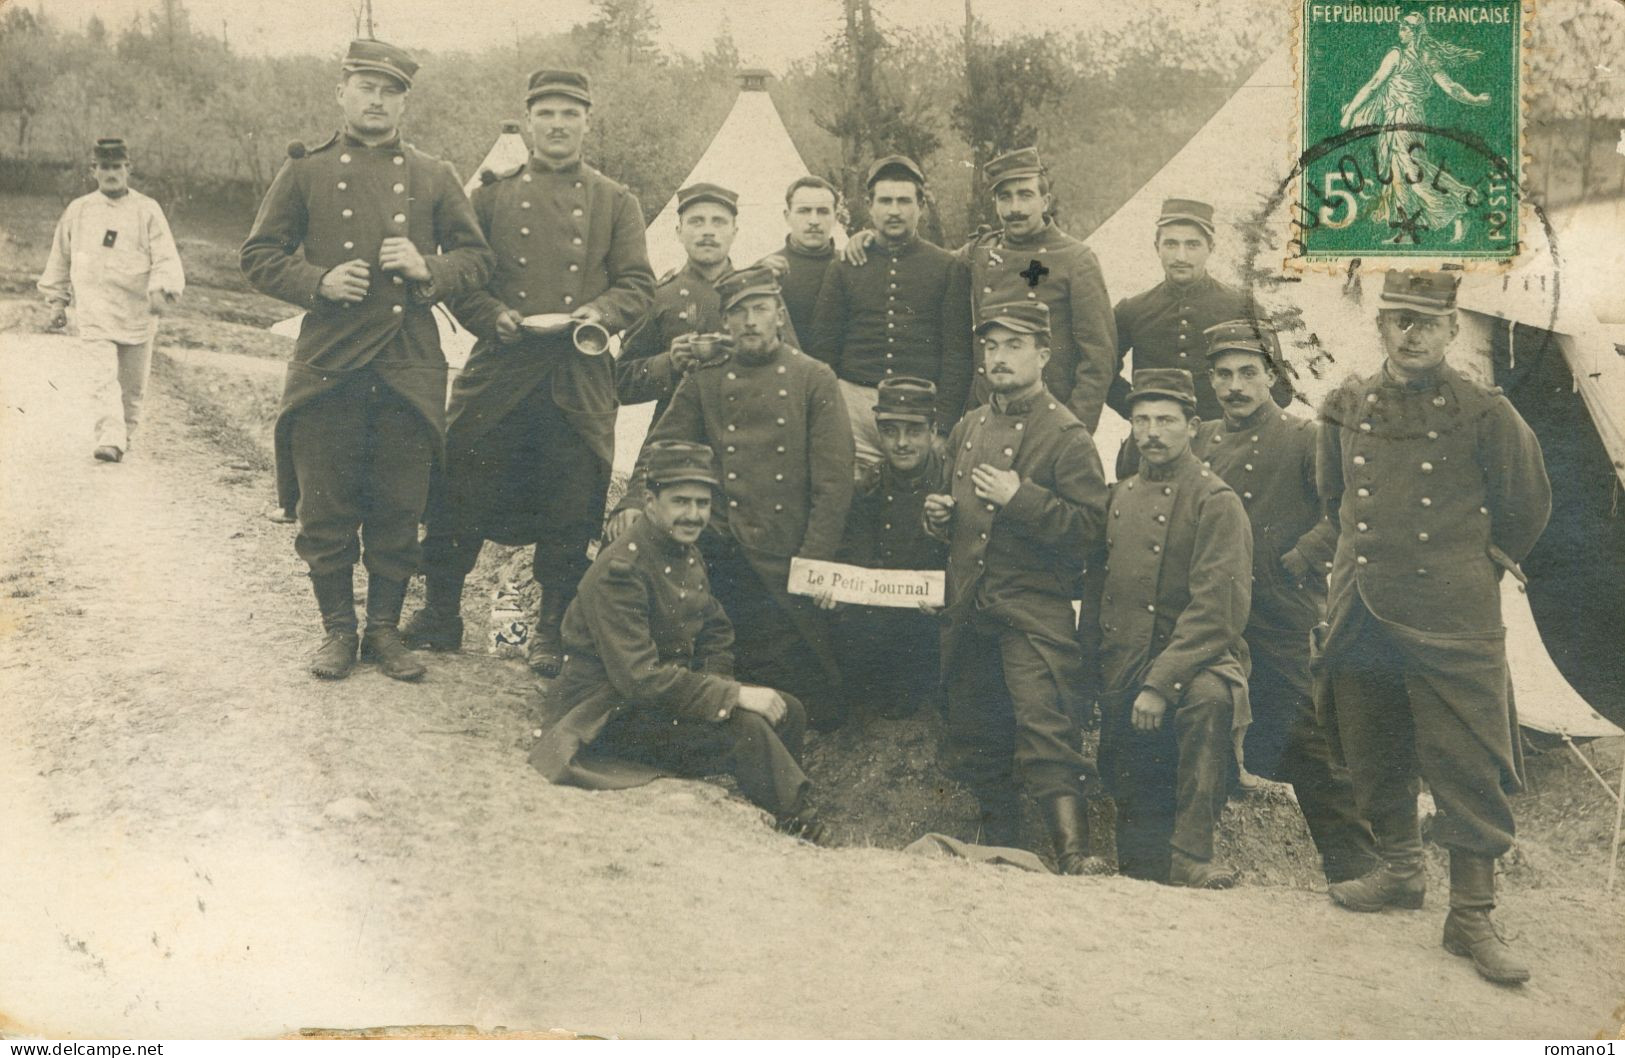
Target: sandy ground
200,840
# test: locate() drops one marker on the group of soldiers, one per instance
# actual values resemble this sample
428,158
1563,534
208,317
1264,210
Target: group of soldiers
898,405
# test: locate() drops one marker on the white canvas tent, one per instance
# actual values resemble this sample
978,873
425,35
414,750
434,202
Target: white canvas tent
1237,161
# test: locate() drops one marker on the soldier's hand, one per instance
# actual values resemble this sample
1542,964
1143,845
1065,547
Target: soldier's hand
777,264
939,510
619,524
764,702
59,318
1297,569
1149,708
158,301
400,254
347,282
994,485
508,329
856,251
684,357
589,314
825,599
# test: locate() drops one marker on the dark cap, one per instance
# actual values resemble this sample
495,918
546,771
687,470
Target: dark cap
906,397
745,283
894,167
110,149
1187,211
571,83
1164,383
1023,162
696,193
375,56
671,462
1433,293
1023,317
1242,336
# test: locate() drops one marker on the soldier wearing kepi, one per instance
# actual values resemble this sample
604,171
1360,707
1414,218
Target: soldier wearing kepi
1267,455
532,419
114,259
1440,488
1023,510
1167,604
775,417
889,655
649,681
385,232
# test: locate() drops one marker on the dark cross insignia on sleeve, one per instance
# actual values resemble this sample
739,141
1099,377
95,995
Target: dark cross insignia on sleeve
1033,273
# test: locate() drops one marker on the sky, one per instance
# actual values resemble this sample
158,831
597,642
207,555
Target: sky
769,33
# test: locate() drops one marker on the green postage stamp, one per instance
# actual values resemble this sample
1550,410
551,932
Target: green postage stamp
1410,114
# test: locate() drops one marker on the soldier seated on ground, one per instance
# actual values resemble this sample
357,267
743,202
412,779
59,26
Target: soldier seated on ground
647,688
889,655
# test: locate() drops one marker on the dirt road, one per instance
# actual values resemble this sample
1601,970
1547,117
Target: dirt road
199,839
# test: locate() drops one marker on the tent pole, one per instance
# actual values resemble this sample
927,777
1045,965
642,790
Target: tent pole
1606,785
1619,817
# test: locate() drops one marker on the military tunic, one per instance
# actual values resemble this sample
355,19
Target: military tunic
648,681
1269,460
780,432
1163,327
336,203
685,302
1173,596
802,280
532,422
1083,349
1439,487
1010,656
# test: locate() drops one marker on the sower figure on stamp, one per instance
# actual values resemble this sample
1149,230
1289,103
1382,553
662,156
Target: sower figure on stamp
531,431
1163,326
775,418
1166,608
904,311
1023,510
1267,455
889,655
114,260
648,687
385,232
810,207
1440,488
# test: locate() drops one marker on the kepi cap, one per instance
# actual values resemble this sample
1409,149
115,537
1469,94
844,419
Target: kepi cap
906,397
673,462
377,57
896,166
696,193
1013,164
1164,383
571,83
1187,211
110,149
746,283
1431,293
1242,336
1023,317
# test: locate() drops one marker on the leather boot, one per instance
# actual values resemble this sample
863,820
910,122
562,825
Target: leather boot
1468,930
439,624
999,821
1068,821
1399,881
545,653
335,598
1193,873
382,641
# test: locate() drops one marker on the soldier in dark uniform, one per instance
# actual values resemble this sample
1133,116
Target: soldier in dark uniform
365,232
905,311
1440,488
1167,607
532,420
889,656
648,688
1023,510
658,350
776,419
1267,455
810,206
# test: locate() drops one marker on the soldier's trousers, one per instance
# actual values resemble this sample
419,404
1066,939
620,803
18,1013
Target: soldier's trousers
121,373
1169,784
1401,713
1286,742
362,454
528,479
765,759
890,657
1008,708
